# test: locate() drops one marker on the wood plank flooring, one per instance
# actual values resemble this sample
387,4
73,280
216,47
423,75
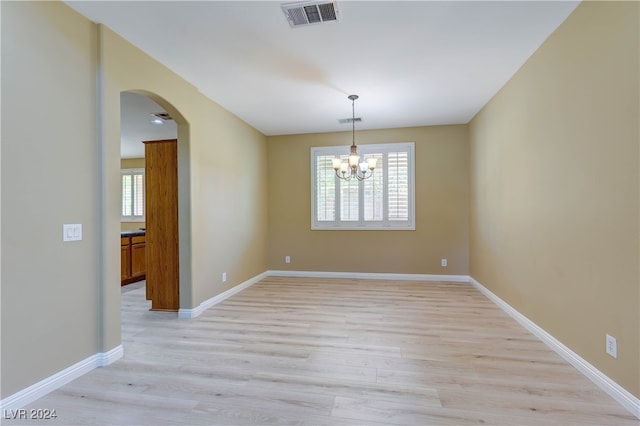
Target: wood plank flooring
300,351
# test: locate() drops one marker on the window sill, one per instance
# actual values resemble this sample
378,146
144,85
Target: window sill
363,228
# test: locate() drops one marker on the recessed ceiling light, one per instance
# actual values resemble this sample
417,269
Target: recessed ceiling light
157,121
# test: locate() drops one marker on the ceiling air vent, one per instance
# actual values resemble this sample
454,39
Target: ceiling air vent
349,120
304,13
164,116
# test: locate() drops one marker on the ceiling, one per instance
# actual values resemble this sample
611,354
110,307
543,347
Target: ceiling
137,124
412,63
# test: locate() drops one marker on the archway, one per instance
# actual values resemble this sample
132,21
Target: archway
184,212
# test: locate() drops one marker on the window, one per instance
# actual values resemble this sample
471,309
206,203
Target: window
132,187
384,201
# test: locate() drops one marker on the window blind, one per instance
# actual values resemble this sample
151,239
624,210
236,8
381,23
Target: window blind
384,201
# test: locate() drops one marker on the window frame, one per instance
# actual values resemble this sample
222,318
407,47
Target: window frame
132,217
361,224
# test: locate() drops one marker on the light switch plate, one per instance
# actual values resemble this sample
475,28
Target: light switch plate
72,232
612,346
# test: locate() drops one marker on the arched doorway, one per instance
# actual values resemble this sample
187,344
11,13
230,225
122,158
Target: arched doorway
141,105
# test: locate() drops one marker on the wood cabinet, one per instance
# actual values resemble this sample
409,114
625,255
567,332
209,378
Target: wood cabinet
132,259
161,199
138,258
125,260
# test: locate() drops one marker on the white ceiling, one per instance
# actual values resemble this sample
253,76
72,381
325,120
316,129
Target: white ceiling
412,63
137,126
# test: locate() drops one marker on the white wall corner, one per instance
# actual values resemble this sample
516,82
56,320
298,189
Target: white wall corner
107,358
61,378
614,390
189,313
194,312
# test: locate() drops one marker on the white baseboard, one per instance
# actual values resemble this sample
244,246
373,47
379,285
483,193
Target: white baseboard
614,390
43,387
194,312
618,393
40,389
106,358
369,276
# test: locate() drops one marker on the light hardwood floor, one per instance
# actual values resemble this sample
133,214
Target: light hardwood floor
338,352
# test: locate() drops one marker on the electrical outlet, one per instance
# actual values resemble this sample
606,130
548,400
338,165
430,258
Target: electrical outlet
612,346
224,277
287,259
443,262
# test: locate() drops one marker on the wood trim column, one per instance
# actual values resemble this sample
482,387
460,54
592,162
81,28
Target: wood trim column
161,192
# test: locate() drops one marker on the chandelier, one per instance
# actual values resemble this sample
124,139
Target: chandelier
352,168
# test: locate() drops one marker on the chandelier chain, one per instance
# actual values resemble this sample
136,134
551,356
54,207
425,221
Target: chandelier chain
353,168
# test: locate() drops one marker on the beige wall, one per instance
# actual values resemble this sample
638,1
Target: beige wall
131,226
442,180
49,288
554,195
66,297
552,161
131,163
219,230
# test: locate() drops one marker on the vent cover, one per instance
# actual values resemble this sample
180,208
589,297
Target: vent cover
304,13
164,116
349,120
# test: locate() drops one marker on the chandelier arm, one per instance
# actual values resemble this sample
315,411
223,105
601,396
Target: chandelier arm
345,176
364,176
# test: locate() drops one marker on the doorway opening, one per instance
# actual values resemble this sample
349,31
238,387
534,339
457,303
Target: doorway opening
148,117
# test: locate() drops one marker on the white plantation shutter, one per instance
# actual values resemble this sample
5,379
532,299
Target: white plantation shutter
398,195
127,193
349,209
384,201
138,194
373,196
132,187
325,189
349,199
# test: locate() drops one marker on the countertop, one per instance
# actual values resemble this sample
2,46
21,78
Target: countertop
135,233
